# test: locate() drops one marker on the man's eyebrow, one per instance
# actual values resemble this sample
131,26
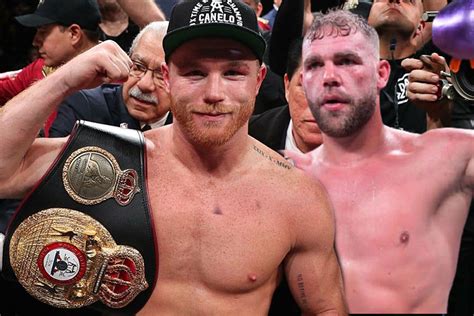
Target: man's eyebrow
237,63
311,59
348,54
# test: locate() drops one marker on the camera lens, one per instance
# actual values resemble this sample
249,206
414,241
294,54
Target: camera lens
463,81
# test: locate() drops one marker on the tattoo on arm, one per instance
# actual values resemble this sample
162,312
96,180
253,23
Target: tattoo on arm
278,162
300,283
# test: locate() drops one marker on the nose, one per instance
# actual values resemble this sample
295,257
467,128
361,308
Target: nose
214,90
394,1
37,40
146,83
330,76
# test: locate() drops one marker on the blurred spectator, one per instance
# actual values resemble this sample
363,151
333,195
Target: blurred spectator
64,30
291,126
166,6
115,24
271,15
140,101
142,12
257,6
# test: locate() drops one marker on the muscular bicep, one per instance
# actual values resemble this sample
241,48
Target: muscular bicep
312,268
34,165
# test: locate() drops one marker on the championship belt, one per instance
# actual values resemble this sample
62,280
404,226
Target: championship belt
84,235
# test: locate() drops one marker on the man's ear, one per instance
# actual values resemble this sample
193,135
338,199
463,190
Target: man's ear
420,28
262,72
75,33
286,81
259,9
166,76
383,74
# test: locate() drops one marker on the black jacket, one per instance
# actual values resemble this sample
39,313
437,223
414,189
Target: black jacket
103,104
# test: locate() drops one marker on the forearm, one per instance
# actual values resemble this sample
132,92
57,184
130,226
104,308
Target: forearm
142,12
23,116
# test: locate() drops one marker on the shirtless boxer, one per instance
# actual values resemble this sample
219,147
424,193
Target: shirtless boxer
230,214
400,199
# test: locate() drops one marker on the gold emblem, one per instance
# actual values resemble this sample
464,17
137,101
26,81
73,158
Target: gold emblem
68,259
92,175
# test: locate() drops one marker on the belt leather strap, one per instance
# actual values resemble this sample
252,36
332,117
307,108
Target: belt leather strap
130,225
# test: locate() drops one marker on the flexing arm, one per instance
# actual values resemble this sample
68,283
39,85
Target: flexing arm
23,158
312,268
142,12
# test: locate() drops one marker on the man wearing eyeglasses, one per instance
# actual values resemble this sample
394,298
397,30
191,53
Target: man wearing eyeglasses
139,103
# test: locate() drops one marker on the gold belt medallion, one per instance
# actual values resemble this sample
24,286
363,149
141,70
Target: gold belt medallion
92,175
67,259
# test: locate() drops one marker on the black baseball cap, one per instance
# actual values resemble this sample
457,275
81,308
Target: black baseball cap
85,13
233,19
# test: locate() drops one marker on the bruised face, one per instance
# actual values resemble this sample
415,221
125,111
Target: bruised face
342,78
213,84
306,132
144,94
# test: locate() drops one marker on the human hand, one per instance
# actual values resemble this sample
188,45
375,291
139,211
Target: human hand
424,85
424,78
104,63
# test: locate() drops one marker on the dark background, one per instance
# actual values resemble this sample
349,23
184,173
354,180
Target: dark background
16,50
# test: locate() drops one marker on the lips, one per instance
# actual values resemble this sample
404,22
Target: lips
334,99
211,113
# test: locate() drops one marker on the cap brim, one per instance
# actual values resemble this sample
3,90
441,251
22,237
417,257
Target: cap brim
252,40
33,20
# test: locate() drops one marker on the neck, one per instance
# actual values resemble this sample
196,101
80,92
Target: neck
114,21
404,47
209,159
363,144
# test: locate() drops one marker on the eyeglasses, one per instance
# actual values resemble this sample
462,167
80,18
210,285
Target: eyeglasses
138,70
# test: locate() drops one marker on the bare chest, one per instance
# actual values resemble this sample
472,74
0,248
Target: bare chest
226,234
387,206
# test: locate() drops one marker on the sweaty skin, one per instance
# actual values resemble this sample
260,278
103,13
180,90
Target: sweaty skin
400,199
399,218
230,214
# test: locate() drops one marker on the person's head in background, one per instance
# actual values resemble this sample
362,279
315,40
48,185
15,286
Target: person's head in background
64,28
256,5
143,93
305,130
398,21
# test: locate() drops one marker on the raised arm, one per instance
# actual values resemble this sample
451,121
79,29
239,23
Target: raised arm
142,12
312,269
23,157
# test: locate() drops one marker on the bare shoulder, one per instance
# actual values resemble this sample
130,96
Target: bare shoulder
454,140
299,190
302,199
155,139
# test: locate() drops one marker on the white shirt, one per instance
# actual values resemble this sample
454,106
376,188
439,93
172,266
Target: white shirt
161,122
290,143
